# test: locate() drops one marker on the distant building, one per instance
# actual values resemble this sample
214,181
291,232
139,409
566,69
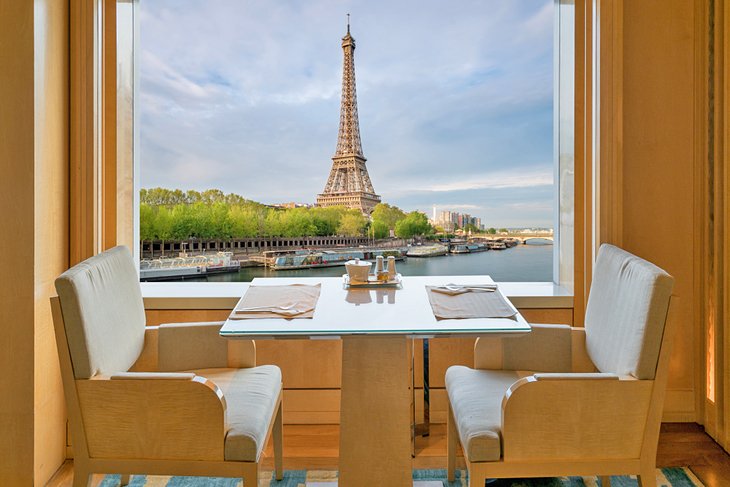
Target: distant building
451,220
291,205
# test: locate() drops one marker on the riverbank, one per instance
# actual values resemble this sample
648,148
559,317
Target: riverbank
523,263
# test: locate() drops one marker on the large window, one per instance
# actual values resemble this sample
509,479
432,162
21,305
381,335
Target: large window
464,116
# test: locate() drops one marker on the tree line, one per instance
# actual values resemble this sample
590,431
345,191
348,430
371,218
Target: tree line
167,214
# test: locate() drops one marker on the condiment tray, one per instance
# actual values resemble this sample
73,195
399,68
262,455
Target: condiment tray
373,282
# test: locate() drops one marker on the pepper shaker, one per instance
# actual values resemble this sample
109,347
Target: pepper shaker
391,267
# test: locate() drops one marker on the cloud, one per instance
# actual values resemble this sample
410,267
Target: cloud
460,206
497,182
455,99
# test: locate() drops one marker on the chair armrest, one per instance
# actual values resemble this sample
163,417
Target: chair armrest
573,416
546,348
154,416
190,346
576,376
153,376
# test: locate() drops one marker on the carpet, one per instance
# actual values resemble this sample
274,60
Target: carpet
666,477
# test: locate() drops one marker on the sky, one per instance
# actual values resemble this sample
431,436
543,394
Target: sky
455,100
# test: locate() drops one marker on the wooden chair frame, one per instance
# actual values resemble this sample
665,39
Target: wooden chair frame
188,439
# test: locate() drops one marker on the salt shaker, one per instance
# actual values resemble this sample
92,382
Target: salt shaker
391,267
380,269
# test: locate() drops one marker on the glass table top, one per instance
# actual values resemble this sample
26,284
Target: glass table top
388,311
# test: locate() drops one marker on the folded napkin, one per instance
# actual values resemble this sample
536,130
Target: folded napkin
452,289
451,304
287,301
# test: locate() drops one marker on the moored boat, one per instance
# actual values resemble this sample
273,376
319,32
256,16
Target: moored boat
459,249
477,247
328,258
427,251
186,266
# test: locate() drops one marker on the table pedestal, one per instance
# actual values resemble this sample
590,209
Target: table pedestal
375,422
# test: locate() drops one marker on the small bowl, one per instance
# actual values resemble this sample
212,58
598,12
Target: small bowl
358,270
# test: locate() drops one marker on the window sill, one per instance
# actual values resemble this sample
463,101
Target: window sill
225,295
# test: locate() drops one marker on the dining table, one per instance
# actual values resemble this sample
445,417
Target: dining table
376,325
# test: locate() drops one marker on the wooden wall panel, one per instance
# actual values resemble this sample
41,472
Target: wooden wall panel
16,200
658,157
51,228
305,364
34,199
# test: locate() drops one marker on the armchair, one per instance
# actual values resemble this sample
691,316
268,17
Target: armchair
173,399
571,401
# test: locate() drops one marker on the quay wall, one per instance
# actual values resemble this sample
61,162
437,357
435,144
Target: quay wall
242,247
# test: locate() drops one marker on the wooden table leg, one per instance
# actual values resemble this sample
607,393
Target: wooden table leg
375,426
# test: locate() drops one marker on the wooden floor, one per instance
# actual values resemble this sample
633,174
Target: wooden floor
316,447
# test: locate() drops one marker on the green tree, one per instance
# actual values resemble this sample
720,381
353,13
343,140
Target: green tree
352,224
415,223
201,221
492,231
219,222
162,197
327,220
192,196
210,196
244,222
183,226
503,230
387,215
163,225
297,222
379,229
173,214
272,224
146,222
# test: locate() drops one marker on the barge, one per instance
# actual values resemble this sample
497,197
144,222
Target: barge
428,251
186,266
327,258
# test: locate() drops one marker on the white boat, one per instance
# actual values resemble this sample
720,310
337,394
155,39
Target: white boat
187,266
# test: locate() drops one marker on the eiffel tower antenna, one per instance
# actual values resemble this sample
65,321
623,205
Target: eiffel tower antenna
349,183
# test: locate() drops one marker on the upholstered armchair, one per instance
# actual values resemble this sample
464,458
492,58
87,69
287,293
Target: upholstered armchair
571,401
172,399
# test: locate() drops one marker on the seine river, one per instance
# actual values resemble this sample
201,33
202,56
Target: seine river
532,262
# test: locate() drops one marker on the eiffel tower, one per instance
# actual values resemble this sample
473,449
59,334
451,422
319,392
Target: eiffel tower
349,183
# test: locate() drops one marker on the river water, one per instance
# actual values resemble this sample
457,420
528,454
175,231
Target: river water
532,262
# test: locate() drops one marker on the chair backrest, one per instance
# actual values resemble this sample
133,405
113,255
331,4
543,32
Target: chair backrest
626,313
103,313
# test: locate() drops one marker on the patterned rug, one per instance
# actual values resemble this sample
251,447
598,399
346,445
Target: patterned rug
666,477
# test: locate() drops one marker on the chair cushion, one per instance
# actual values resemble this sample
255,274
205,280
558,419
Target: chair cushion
476,402
251,396
103,313
626,312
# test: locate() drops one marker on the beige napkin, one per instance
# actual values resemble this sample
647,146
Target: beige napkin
469,305
287,301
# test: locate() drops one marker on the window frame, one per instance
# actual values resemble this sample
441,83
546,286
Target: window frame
573,227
